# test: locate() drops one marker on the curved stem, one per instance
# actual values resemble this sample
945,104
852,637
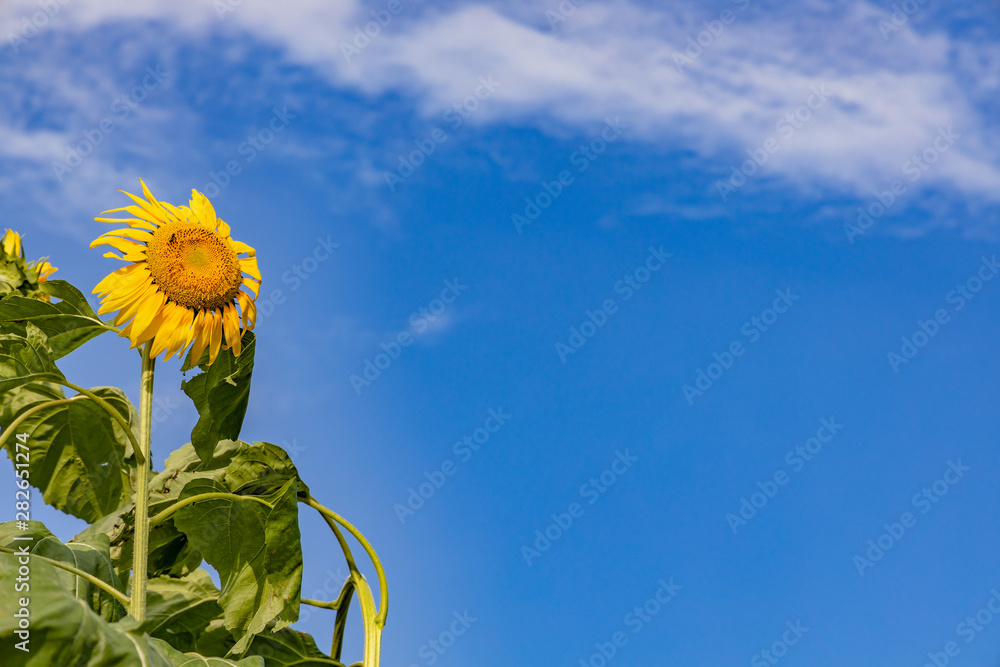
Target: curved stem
340,624
321,605
165,514
140,554
114,414
382,584
344,546
27,413
373,626
104,586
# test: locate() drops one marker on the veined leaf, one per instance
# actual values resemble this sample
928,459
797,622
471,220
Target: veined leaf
221,393
12,402
90,555
78,454
256,551
66,631
179,610
68,324
25,358
290,648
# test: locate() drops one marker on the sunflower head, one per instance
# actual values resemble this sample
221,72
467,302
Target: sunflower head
17,275
185,281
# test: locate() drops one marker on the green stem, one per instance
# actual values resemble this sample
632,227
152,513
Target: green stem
382,584
114,414
344,546
340,624
373,621
318,603
104,586
165,514
140,554
27,413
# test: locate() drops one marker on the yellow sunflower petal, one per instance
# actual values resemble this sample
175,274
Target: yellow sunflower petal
156,212
231,327
173,315
203,209
241,248
214,324
252,285
249,265
182,334
142,325
199,336
12,243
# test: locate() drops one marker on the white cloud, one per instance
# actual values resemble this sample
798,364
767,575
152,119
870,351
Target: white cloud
887,96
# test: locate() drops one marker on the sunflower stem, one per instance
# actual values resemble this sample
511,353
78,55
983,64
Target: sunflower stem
140,549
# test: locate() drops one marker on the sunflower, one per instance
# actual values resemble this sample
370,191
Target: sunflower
28,275
184,284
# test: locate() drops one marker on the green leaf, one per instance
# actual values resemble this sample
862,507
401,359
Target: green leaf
78,454
68,323
179,659
290,648
25,358
66,632
92,556
256,551
179,610
14,401
221,393
170,552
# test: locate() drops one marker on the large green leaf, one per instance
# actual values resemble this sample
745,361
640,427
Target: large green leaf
290,648
25,357
221,393
78,454
256,551
65,631
90,555
68,323
179,610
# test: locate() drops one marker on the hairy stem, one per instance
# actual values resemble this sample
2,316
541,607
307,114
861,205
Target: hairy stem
140,555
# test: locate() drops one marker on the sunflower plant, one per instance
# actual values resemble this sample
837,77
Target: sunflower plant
133,588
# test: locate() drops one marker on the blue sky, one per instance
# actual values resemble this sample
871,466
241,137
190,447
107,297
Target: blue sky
745,161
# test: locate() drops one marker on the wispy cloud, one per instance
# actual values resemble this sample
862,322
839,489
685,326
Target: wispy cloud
888,97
